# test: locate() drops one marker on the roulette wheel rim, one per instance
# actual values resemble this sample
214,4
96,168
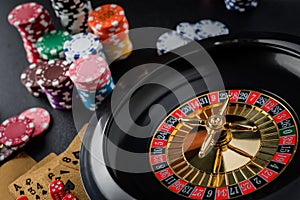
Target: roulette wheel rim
283,42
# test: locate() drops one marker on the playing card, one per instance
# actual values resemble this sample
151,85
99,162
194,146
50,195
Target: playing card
71,179
33,184
43,162
12,170
70,157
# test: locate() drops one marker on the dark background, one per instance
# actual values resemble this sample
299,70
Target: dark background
271,15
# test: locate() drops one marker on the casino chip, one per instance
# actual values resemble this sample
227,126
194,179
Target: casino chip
53,78
92,77
108,20
118,50
32,21
169,41
5,152
24,14
40,117
208,28
50,45
187,30
66,7
240,5
73,14
110,24
16,131
28,80
82,44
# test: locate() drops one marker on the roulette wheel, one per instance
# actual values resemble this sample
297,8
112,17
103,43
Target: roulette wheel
234,137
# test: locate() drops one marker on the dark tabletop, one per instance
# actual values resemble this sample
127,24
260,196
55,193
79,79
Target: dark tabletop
271,15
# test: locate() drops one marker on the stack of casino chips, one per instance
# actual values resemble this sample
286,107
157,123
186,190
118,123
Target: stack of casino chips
52,77
28,80
73,14
92,78
32,21
50,45
110,24
82,44
241,5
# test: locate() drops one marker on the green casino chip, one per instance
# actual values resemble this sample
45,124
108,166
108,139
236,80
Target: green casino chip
50,46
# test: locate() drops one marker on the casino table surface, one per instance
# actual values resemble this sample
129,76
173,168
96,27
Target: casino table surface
271,16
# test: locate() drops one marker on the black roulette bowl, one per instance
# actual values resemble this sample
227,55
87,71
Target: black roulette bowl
111,160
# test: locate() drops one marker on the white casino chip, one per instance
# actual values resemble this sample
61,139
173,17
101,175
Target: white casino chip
170,41
209,28
188,30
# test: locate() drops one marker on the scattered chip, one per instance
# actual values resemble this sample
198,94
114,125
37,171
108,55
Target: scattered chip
188,30
209,28
241,5
40,117
169,41
16,131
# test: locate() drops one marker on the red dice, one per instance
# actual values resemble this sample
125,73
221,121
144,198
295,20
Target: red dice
22,198
70,197
57,190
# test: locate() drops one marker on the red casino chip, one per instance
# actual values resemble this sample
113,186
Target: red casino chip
16,131
70,197
57,190
40,117
24,14
32,21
